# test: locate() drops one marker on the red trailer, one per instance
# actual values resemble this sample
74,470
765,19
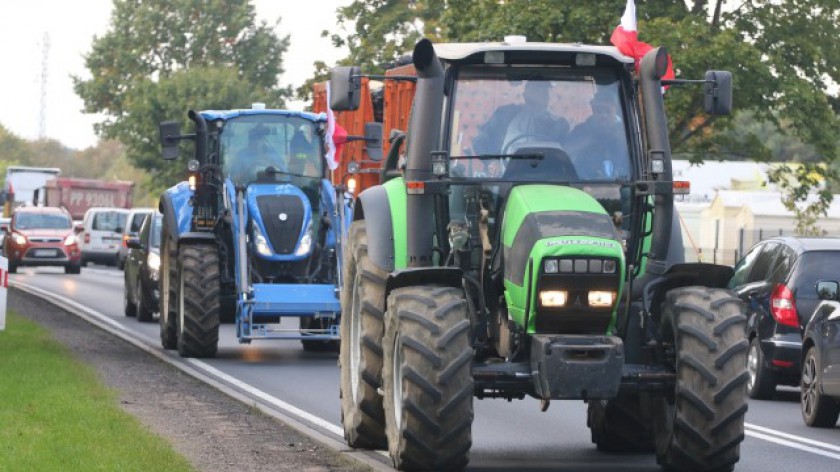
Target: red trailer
77,195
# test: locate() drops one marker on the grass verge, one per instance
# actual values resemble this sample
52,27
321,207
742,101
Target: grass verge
55,414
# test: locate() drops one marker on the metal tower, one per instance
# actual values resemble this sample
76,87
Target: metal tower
42,117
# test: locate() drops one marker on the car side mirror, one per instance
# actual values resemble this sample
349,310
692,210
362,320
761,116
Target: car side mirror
373,140
170,133
827,289
133,243
78,228
718,92
345,88
4,228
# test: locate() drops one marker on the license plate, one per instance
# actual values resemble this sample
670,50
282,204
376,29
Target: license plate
45,253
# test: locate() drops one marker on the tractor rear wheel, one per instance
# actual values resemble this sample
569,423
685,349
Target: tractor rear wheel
622,424
700,426
168,292
362,328
426,378
199,284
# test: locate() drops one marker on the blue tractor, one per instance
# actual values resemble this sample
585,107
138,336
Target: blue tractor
253,235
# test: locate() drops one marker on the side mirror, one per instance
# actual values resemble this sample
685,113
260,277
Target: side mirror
373,140
78,228
4,228
827,290
718,92
345,88
170,132
133,243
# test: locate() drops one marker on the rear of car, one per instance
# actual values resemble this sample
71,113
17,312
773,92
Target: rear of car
38,236
102,235
135,218
777,281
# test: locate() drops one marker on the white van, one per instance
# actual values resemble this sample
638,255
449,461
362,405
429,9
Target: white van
102,235
132,228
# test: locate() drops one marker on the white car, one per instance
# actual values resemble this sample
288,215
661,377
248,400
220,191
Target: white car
101,235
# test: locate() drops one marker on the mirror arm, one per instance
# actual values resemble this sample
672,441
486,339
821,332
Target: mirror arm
180,137
685,81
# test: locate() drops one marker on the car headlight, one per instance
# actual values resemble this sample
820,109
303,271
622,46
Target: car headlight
262,245
305,243
70,240
19,239
153,259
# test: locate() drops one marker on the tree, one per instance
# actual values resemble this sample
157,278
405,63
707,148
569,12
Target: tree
783,56
141,68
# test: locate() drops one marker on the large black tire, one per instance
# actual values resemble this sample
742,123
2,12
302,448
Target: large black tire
168,291
426,378
73,269
360,354
818,410
308,322
12,267
623,424
762,382
199,288
144,312
700,426
129,307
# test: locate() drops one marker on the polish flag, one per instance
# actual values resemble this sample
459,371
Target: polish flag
625,37
333,150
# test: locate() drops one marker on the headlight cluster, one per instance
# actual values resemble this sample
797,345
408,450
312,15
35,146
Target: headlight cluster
19,239
559,298
262,244
153,259
305,242
579,266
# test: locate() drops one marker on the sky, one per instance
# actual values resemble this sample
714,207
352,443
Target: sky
71,26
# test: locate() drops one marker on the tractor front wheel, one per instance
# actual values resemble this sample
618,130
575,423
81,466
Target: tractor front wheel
426,378
360,357
199,285
700,425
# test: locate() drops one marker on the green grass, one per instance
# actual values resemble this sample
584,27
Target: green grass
55,414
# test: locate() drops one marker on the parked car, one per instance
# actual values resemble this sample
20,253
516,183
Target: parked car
102,235
141,294
777,281
821,359
41,236
3,221
132,227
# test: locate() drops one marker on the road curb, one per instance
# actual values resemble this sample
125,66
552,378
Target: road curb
375,460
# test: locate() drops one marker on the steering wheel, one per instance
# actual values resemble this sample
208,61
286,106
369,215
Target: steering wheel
510,143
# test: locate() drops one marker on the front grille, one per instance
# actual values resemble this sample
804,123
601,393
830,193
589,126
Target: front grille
44,239
45,253
283,218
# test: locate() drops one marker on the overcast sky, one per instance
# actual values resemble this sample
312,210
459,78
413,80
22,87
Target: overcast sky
71,25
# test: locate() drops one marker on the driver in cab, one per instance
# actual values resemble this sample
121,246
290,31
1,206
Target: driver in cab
257,156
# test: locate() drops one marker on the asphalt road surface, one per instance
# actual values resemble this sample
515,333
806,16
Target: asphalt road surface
506,435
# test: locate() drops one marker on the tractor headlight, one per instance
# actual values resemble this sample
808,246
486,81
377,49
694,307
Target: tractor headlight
153,260
305,243
553,298
262,244
601,298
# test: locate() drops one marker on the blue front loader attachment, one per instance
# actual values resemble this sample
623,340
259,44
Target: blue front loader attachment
259,315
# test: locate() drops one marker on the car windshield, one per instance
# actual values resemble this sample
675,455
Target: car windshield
155,236
538,124
257,147
41,221
109,221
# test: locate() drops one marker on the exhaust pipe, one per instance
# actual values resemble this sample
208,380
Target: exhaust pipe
651,70
200,136
423,138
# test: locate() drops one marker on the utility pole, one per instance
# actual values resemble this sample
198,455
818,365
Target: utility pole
42,116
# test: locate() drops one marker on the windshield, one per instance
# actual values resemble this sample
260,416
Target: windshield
41,221
256,147
155,236
538,124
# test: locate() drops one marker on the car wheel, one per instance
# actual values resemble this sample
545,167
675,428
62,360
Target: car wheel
144,314
818,410
12,268
72,269
761,383
129,307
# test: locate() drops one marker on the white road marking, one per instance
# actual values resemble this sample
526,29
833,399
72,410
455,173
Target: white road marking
761,429
792,444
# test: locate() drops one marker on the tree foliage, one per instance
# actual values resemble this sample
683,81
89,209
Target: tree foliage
782,54
161,57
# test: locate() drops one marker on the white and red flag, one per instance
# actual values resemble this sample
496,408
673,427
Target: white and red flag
333,148
625,37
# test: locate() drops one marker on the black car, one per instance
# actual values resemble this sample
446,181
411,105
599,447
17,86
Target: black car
777,281
821,359
142,265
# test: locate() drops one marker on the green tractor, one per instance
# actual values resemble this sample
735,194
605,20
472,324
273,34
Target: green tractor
531,248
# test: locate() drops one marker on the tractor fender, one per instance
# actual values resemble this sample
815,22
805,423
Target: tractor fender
676,255
684,275
446,276
373,207
176,210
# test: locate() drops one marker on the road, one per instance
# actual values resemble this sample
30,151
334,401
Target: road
506,435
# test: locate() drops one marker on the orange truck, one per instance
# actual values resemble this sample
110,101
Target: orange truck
388,103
